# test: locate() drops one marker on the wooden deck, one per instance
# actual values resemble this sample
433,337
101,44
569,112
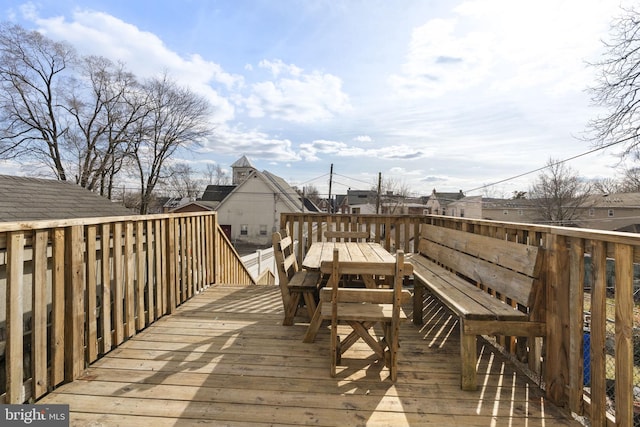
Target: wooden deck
225,359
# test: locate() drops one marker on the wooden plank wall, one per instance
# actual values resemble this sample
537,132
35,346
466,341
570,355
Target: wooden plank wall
66,283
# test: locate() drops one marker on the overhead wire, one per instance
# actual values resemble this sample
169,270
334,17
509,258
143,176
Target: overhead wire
552,164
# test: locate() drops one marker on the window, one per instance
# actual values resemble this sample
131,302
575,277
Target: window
505,212
355,210
592,212
461,213
610,212
520,212
263,229
244,229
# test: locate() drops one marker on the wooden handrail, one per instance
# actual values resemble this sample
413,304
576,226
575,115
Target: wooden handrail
67,282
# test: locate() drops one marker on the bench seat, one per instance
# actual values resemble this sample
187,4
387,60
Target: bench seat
490,284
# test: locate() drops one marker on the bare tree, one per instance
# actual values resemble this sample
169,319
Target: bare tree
630,181
392,193
177,117
215,175
103,106
606,186
182,181
32,73
559,193
618,86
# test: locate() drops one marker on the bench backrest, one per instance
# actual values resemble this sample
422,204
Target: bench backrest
508,268
347,236
285,255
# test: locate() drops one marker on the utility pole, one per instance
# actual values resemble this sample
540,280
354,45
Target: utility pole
330,208
379,189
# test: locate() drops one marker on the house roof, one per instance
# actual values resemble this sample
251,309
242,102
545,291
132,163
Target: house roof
361,197
289,195
242,162
33,199
626,200
203,205
217,193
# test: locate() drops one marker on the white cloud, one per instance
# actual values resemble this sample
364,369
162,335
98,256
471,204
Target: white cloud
505,46
142,52
296,96
312,151
253,143
278,67
438,61
363,138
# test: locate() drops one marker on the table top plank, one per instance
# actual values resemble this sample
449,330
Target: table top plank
354,252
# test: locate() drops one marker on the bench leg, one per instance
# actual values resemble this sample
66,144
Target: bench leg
292,308
468,358
418,302
314,325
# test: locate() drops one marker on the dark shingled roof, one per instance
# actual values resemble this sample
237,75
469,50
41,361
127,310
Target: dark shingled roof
33,199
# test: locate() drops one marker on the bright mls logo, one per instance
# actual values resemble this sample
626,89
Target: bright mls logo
34,415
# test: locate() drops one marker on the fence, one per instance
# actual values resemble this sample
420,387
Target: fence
71,291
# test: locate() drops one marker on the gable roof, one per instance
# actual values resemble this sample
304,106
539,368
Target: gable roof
242,162
277,185
217,193
33,199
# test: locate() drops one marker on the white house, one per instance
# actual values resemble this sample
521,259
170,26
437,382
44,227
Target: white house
249,209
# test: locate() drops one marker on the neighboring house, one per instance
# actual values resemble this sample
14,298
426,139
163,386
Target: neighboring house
509,210
356,202
611,212
33,199
438,202
249,210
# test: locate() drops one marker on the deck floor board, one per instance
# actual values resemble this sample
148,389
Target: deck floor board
225,359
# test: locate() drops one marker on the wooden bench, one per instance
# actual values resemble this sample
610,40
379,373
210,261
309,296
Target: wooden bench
492,286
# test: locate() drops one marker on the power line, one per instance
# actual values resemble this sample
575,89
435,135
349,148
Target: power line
553,164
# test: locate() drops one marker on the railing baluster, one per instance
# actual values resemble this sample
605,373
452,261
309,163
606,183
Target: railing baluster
598,331
15,328
74,325
39,313
92,285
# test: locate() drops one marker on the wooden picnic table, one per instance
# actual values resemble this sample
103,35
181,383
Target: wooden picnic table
366,259
358,254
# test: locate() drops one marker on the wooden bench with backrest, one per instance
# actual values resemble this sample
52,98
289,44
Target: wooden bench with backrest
293,281
492,285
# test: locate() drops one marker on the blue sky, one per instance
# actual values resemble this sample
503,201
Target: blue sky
442,94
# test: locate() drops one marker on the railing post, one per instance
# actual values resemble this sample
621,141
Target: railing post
624,394
558,303
74,302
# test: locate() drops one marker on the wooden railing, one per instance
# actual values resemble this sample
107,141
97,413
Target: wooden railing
588,274
71,291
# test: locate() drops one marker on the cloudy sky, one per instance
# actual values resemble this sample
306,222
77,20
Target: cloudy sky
444,94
